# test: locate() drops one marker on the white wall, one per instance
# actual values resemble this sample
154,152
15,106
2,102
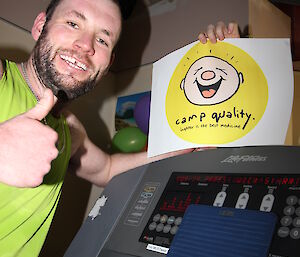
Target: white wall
150,34
15,43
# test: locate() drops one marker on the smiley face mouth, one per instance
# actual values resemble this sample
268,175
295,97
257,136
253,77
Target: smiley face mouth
210,90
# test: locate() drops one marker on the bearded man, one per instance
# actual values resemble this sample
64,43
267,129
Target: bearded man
39,140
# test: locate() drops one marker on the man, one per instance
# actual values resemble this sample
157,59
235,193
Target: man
74,49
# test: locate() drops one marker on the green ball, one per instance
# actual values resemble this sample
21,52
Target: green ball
129,140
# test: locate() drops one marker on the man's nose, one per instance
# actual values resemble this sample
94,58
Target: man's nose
85,43
207,75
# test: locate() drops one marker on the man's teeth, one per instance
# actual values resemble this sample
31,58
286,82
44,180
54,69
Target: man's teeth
73,63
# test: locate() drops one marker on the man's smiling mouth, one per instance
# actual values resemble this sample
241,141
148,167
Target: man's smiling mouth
208,91
73,62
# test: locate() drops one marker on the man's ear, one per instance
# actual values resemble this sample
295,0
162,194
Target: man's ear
38,25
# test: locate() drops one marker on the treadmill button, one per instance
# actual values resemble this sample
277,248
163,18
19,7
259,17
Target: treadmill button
152,226
298,211
220,198
148,239
160,227
173,230
296,222
171,220
267,203
167,228
242,201
156,218
178,221
164,218
286,221
292,200
289,210
295,233
283,232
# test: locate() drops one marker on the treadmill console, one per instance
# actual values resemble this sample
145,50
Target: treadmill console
144,207
277,193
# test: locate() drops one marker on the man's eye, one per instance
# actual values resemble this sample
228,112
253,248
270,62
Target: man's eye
72,24
102,42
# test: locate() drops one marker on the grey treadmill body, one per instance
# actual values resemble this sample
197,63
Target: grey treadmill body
117,230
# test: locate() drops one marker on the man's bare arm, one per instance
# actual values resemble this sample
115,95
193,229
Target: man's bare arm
91,163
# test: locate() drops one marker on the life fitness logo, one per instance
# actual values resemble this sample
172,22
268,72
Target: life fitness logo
244,158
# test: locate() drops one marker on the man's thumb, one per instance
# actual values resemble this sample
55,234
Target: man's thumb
43,107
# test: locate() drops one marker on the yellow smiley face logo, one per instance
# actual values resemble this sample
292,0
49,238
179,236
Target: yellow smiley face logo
216,95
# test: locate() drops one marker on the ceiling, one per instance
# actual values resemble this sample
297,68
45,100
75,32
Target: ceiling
22,13
147,25
26,11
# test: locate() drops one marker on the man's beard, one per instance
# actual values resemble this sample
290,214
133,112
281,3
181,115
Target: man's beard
51,78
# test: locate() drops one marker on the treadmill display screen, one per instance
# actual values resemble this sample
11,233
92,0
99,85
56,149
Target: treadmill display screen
245,180
179,201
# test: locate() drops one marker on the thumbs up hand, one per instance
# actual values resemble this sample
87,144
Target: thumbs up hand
28,146
43,107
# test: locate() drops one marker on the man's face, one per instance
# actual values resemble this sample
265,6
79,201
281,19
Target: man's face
210,80
74,50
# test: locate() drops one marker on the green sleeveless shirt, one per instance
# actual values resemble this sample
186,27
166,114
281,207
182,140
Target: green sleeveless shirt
26,213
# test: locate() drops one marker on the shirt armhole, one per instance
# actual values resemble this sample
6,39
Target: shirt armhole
2,68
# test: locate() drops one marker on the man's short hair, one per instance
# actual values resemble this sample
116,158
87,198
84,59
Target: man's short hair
54,3
51,8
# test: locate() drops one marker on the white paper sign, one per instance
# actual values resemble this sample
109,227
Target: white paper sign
237,92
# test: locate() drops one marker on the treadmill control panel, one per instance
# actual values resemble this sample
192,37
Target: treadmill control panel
278,193
145,207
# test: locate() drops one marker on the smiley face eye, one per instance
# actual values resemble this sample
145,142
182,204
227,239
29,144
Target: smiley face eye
222,70
197,70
